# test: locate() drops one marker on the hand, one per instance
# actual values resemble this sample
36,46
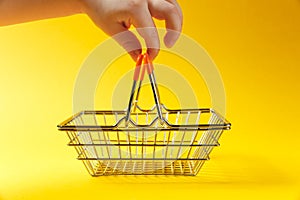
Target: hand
116,16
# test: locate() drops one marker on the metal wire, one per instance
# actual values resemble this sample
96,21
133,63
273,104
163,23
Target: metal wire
154,149
158,141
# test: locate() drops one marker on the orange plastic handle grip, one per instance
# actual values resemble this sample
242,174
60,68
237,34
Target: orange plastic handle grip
138,67
143,73
148,63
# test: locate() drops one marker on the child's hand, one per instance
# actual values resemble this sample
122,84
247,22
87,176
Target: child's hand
116,16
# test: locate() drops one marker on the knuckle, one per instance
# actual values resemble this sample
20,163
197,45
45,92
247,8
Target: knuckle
171,9
135,3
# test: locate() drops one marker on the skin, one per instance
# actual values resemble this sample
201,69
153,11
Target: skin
112,16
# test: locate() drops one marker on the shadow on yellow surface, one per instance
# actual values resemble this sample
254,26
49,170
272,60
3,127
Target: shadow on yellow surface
223,177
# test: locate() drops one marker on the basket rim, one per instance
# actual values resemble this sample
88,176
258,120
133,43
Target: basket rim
225,125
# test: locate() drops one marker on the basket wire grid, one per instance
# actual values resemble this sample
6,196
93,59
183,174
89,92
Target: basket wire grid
157,141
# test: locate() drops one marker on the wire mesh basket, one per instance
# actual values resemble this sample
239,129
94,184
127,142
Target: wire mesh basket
157,141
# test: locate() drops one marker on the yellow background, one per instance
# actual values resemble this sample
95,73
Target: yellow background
256,46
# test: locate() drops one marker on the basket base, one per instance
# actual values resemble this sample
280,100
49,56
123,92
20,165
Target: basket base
143,167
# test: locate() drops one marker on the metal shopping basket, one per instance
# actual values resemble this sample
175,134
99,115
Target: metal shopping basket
157,141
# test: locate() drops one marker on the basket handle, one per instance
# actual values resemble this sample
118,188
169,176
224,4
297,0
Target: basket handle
143,59
150,70
135,79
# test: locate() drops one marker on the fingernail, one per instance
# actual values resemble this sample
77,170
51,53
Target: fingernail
169,42
135,54
152,53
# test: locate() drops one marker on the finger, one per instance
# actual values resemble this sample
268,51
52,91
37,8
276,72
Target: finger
174,2
120,33
169,12
143,21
